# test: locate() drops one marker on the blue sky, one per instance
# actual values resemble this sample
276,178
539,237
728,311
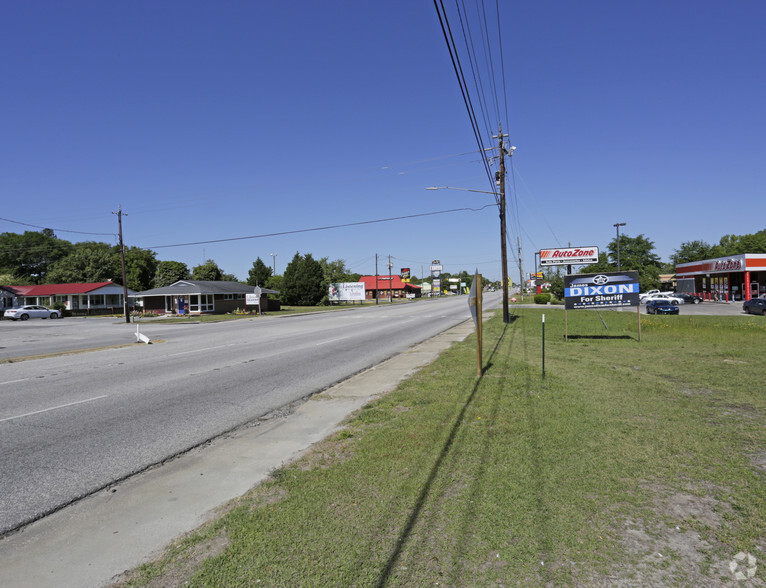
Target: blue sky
213,120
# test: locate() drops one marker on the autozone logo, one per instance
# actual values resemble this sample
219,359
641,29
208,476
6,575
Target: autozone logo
569,254
729,264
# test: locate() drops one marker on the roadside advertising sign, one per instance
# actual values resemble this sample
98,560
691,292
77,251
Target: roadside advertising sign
252,300
569,255
601,290
404,273
346,291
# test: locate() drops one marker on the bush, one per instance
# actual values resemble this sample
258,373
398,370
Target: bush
542,298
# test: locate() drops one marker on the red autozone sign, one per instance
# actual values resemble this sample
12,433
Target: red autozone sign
569,255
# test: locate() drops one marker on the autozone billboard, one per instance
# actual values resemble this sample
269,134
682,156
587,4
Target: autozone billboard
569,255
601,290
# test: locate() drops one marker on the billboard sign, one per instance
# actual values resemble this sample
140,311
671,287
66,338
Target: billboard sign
404,273
346,291
569,255
601,290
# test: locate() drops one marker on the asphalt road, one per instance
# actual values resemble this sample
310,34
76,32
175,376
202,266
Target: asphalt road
75,424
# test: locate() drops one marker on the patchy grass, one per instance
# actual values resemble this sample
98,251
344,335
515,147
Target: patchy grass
629,464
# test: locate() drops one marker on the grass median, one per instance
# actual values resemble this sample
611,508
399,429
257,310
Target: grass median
631,463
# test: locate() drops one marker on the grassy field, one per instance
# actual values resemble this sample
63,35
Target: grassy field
630,464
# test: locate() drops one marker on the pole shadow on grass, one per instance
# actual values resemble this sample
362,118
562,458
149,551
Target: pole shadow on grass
601,337
424,493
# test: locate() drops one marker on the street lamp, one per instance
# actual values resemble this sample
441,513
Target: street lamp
274,258
617,226
503,254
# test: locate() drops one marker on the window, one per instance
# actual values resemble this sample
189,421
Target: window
201,303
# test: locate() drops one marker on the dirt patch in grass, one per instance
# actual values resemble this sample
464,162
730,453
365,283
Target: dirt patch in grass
180,566
673,548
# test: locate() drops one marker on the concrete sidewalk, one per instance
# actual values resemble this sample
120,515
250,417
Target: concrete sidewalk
90,542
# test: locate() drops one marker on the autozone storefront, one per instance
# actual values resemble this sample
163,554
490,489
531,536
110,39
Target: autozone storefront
737,277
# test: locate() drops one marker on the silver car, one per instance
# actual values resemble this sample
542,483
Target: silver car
31,311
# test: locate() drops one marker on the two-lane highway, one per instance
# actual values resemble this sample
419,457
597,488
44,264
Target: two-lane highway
75,424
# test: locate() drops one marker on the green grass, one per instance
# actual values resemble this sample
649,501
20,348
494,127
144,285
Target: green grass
638,462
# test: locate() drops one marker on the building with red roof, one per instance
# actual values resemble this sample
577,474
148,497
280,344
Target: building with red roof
90,298
376,287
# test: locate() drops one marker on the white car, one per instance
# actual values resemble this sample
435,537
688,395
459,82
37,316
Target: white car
663,296
31,311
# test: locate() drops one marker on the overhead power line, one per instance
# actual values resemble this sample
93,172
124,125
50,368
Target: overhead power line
55,230
325,228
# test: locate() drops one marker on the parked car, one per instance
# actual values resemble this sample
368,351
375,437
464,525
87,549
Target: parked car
31,311
661,306
754,306
664,296
689,298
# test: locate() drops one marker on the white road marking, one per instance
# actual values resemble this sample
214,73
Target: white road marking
21,416
200,350
14,381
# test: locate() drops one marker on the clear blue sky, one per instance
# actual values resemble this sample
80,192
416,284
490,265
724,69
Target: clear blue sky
213,120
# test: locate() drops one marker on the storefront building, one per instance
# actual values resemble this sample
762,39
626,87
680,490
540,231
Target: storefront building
737,277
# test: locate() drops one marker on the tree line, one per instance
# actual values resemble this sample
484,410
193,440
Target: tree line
39,257
637,254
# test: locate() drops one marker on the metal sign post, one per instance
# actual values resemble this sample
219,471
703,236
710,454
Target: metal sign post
474,305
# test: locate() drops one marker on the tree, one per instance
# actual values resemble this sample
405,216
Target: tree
637,254
259,274
335,271
303,281
89,261
691,251
140,267
169,272
208,271
276,283
28,256
738,244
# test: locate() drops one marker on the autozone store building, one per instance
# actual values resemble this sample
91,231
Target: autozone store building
737,277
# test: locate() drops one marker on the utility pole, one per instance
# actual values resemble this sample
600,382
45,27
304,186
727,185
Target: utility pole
521,271
119,214
503,252
390,282
377,290
618,225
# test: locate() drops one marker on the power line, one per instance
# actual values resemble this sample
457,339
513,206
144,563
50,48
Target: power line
325,228
55,230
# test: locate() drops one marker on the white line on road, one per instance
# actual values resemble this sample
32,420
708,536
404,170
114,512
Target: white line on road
20,416
14,381
199,350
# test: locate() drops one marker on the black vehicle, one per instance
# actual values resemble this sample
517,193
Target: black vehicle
661,306
755,306
689,298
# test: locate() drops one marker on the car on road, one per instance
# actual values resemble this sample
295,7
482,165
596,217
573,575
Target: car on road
754,306
664,296
689,298
661,306
29,311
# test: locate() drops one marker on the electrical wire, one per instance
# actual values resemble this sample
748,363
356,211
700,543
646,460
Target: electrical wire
55,230
325,228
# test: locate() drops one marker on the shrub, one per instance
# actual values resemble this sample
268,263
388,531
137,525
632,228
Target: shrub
544,298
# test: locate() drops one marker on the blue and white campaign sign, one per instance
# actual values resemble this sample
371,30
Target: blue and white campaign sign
601,290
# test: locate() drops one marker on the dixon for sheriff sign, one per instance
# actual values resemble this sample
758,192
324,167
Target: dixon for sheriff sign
601,290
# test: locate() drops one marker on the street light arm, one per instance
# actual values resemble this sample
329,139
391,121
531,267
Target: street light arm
463,189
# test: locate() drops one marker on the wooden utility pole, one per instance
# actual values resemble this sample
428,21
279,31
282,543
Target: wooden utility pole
503,250
119,214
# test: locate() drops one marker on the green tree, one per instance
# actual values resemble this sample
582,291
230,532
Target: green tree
259,274
208,271
303,281
169,272
738,244
692,251
636,254
140,267
276,283
335,271
89,261
28,256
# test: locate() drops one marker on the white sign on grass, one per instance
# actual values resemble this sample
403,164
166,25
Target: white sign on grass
346,291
